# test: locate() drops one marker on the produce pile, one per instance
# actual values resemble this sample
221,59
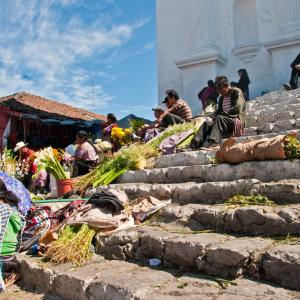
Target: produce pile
131,157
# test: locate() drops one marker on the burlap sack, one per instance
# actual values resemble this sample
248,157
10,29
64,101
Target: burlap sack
264,149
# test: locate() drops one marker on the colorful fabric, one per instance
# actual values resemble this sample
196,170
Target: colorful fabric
66,212
182,110
14,190
86,152
39,220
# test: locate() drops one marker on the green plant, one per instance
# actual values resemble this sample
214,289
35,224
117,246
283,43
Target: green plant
292,147
136,124
242,200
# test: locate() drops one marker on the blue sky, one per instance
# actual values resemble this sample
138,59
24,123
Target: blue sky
96,54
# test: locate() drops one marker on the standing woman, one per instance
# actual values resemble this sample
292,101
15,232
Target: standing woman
244,82
107,128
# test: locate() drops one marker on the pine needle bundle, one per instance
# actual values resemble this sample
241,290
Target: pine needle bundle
242,200
72,246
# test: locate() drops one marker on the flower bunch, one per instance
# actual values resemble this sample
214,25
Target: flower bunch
121,136
10,165
47,160
103,146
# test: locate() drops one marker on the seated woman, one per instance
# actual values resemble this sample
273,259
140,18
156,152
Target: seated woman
208,95
85,155
228,119
15,202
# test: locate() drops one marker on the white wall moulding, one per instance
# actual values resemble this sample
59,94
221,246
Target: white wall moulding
246,53
201,58
283,43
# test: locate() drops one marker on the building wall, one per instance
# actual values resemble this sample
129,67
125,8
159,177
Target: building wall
200,39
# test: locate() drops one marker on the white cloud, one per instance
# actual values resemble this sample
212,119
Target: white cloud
149,46
43,53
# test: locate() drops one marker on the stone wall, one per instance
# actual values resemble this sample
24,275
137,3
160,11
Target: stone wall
200,39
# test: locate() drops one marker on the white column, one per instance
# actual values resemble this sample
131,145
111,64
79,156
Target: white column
204,30
289,14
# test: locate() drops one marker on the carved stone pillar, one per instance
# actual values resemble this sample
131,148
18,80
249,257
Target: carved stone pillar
289,17
203,48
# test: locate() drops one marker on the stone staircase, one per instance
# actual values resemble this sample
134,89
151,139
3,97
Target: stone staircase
198,232
198,238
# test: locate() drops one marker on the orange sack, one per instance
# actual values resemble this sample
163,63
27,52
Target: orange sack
264,149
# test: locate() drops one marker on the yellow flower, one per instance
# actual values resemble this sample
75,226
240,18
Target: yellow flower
117,134
128,131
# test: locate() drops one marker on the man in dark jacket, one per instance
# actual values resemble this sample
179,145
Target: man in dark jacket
295,65
228,119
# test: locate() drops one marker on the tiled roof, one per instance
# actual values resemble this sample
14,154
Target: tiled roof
45,108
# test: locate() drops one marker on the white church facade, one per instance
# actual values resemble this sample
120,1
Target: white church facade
200,39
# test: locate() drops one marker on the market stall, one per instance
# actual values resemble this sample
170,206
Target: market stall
42,122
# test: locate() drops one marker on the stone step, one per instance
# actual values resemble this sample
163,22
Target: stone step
245,220
271,118
119,280
274,98
265,171
209,253
281,192
253,134
257,108
201,157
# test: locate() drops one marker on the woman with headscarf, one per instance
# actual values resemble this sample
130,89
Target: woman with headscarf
15,202
244,82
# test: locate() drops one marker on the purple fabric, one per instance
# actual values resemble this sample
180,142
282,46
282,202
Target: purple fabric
150,134
168,146
16,189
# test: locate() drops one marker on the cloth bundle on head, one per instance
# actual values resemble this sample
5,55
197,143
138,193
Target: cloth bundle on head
15,193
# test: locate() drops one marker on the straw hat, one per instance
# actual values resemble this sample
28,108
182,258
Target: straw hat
19,146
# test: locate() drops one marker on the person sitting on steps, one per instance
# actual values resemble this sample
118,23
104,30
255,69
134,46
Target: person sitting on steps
208,95
228,119
176,106
295,65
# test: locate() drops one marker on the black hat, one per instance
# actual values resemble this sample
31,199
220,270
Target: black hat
166,100
158,108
